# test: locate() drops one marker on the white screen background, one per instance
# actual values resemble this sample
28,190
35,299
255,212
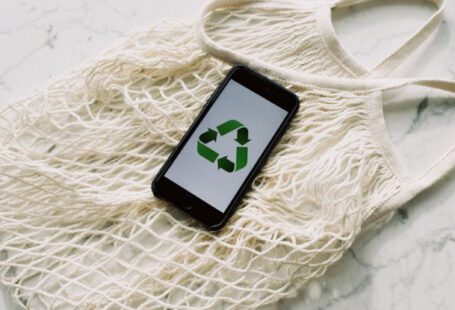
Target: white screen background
203,178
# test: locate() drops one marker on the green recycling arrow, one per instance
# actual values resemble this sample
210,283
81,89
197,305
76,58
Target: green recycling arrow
242,136
228,126
241,157
205,151
208,136
224,163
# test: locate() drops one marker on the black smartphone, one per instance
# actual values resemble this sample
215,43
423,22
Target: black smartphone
217,159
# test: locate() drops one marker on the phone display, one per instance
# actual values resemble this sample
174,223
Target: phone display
221,152
229,141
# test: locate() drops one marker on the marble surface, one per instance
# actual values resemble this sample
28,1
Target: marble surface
408,264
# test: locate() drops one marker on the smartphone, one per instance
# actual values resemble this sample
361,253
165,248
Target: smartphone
217,159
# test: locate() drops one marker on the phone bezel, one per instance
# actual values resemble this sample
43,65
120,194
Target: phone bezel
211,217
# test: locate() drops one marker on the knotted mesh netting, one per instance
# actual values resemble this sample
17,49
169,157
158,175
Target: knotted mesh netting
80,228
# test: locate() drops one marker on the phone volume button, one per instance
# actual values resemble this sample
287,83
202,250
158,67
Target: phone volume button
188,207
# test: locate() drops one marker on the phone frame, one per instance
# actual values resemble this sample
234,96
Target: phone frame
211,217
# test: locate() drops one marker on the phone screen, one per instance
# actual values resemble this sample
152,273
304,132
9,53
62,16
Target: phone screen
224,148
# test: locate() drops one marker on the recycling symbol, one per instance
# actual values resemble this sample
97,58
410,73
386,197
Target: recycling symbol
223,162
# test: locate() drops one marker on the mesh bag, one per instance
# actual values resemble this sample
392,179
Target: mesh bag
80,228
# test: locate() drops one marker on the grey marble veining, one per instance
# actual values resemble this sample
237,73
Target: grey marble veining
409,263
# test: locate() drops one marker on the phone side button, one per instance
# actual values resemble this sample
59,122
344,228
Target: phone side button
187,204
188,207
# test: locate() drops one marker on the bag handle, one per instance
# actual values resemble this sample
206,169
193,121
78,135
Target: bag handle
391,62
445,163
350,84
436,171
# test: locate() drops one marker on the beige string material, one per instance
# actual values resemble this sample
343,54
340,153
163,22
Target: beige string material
79,227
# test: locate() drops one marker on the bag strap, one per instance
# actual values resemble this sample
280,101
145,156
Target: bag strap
436,171
349,84
391,62
445,163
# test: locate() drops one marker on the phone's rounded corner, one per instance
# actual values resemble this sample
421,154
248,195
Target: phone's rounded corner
154,188
225,218
295,105
239,67
218,226
296,100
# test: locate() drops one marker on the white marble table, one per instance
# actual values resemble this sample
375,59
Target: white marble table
409,264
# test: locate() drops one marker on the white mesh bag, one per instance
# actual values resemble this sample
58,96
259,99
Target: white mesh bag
79,227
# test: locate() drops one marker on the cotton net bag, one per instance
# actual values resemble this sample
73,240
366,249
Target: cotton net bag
80,227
